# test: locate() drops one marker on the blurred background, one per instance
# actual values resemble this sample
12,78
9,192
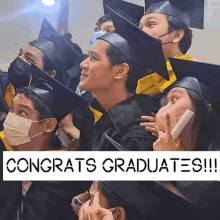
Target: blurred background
20,22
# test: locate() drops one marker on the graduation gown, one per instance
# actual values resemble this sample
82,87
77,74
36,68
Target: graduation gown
45,200
121,123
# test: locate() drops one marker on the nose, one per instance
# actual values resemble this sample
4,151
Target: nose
84,64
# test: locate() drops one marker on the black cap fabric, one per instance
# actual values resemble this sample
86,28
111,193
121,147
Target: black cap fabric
191,12
58,51
134,11
201,193
140,49
59,98
202,78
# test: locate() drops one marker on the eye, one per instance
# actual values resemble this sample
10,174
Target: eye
174,99
152,24
22,113
11,109
92,58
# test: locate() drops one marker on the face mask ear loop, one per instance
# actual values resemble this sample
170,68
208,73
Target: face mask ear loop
30,80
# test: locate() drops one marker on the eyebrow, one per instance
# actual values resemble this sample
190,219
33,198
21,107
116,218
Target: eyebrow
176,90
151,18
93,53
24,106
32,56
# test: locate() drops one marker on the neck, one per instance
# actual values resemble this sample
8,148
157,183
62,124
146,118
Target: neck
109,98
172,52
36,144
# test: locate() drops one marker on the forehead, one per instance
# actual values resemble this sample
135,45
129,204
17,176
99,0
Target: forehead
21,99
107,23
100,46
159,17
178,90
32,49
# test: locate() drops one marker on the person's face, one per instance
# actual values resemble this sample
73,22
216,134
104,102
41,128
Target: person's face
156,25
108,26
23,107
30,55
96,71
86,206
178,101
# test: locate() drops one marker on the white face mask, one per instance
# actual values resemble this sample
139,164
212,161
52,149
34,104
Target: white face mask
16,129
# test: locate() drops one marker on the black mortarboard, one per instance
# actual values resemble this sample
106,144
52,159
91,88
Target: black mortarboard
60,99
134,11
140,49
201,193
190,12
202,78
57,50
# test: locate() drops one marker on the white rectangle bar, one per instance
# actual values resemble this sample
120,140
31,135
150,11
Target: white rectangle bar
111,165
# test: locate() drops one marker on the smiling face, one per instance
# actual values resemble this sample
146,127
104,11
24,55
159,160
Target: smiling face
97,73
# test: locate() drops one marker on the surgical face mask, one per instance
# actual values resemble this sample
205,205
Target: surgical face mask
16,129
165,35
19,73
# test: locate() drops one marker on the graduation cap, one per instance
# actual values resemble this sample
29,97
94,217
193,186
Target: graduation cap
60,100
134,11
140,49
200,193
203,78
56,48
190,12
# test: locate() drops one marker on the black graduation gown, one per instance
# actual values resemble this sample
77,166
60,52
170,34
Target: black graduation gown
45,200
121,123
4,82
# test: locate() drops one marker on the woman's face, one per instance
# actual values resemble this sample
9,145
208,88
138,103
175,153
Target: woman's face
178,101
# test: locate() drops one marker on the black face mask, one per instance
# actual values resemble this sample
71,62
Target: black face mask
19,73
165,35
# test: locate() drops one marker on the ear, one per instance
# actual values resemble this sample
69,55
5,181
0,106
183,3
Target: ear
53,73
123,70
49,125
178,35
118,213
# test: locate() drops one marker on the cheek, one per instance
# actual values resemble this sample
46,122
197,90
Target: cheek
161,118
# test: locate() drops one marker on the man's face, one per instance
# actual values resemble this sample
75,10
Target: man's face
108,26
154,24
23,107
96,71
30,55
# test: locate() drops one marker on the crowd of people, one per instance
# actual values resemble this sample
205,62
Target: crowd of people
134,85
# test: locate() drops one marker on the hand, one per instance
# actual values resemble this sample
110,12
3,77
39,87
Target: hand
70,130
94,211
150,126
83,197
165,140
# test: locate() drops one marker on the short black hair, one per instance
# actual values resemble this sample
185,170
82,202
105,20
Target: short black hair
39,104
176,24
117,58
114,200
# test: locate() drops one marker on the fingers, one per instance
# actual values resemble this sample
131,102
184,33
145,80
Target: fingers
168,124
149,118
96,198
149,126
